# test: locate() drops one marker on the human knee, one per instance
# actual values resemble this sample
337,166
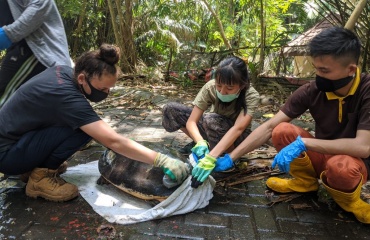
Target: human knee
169,107
281,130
175,116
207,121
283,134
169,111
215,125
343,172
215,120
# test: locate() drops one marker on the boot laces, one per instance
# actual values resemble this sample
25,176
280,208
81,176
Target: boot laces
55,179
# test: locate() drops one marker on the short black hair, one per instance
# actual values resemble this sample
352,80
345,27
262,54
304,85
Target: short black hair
337,42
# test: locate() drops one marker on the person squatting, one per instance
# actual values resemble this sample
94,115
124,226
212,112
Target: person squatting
49,118
339,102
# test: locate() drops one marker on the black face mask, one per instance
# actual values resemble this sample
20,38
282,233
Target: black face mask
326,85
95,95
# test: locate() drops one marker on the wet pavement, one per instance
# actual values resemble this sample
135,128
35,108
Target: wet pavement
244,212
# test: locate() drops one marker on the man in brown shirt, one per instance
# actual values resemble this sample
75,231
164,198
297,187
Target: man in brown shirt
339,102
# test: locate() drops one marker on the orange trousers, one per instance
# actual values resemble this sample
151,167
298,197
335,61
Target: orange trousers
343,172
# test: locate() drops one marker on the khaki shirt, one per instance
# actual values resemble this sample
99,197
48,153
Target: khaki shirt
207,98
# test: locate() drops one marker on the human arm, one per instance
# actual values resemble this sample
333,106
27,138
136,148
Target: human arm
241,123
201,147
29,20
103,133
252,99
191,124
356,147
259,136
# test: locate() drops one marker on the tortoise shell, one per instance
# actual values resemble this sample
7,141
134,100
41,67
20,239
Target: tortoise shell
137,178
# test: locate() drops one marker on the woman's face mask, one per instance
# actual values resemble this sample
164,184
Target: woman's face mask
327,85
227,97
95,95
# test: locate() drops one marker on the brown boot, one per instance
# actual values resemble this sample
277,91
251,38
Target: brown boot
61,169
47,183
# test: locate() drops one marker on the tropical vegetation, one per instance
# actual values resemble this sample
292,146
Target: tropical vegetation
181,35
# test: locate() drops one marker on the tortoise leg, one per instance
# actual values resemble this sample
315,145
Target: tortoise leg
153,202
102,181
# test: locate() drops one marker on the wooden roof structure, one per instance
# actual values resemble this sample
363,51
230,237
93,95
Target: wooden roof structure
298,46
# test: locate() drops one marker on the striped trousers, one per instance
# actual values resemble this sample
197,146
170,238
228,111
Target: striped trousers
18,65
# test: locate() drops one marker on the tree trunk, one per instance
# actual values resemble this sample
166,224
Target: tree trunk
123,34
131,50
167,77
128,56
219,23
263,38
114,25
366,59
79,28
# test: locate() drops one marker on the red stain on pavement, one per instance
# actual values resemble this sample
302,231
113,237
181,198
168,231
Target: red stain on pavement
81,229
54,219
75,224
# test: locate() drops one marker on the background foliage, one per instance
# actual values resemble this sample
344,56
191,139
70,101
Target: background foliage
180,35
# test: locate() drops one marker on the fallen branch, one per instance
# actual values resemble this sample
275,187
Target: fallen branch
284,198
251,178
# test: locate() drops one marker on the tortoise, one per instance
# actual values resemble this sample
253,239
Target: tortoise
139,179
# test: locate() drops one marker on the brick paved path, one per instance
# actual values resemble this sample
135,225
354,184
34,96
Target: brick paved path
243,214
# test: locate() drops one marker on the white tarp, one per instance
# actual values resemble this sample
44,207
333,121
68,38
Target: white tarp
119,207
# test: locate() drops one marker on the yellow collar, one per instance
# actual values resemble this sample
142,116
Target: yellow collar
332,96
356,82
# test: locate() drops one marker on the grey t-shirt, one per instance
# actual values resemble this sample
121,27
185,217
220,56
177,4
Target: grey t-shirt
40,24
49,99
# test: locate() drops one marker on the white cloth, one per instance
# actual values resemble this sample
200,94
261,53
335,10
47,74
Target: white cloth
119,207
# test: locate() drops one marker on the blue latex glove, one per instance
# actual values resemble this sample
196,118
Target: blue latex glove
288,153
200,149
4,40
224,163
202,170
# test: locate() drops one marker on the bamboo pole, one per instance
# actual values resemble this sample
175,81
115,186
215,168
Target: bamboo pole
355,15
